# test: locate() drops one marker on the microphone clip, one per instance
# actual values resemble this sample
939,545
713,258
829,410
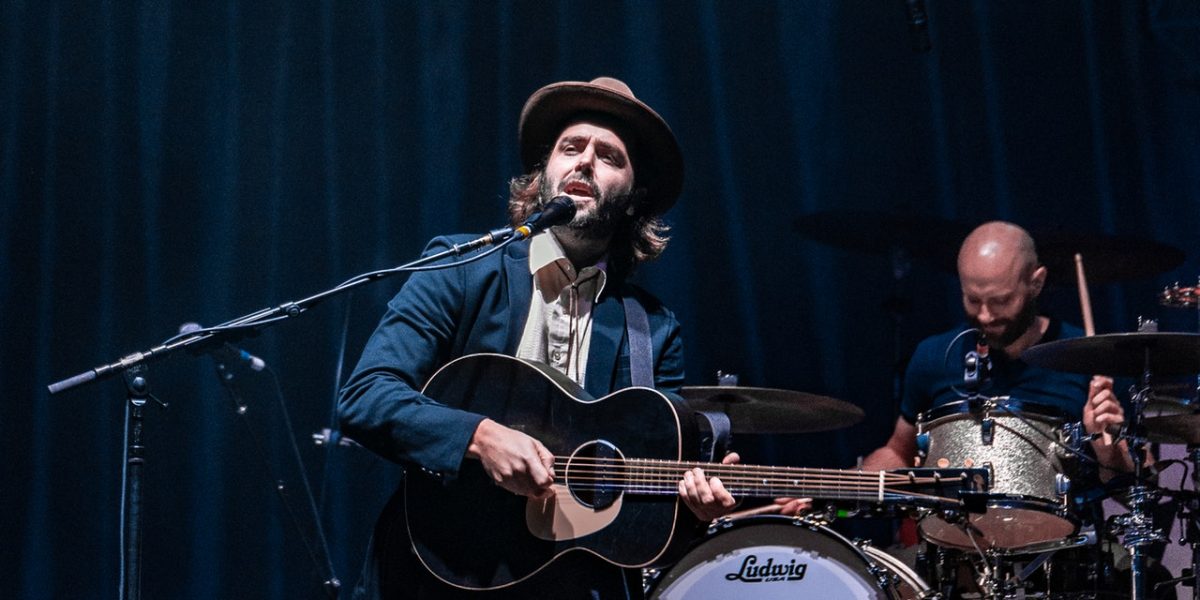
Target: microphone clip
977,364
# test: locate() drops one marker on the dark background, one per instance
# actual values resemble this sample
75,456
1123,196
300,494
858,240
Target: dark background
163,162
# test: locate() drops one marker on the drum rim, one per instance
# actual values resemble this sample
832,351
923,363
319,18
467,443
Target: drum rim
725,525
975,404
897,568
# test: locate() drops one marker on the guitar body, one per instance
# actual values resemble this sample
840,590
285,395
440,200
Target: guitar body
473,534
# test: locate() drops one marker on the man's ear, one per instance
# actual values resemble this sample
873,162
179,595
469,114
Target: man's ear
1038,280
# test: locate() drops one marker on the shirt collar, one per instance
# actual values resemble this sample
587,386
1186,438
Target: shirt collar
545,250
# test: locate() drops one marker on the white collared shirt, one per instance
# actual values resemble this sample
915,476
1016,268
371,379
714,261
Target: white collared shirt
558,329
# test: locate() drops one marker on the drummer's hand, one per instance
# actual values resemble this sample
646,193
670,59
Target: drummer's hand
707,496
791,507
1103,411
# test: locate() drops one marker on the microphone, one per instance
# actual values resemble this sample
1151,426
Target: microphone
558,211
228,352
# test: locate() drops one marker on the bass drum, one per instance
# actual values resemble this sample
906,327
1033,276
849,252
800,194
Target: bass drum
769,557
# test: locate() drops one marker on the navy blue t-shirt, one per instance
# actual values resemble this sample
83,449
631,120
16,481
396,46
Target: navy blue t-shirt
935,376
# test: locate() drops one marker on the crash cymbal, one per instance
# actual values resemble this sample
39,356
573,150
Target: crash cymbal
935,240
1174,429
1122,354
766,410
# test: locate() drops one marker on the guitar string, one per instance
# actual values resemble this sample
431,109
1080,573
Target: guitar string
674,469
601,480
649,476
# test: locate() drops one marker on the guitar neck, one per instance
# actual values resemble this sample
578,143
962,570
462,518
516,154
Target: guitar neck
661,477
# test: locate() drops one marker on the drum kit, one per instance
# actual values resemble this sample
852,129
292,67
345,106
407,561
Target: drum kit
1036,532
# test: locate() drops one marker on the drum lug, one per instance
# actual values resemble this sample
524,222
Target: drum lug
1062,484
923,444
719,524
987,431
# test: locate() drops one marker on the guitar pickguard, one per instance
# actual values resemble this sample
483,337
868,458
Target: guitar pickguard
564,518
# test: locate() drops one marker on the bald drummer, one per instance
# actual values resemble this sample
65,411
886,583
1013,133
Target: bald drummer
1001,279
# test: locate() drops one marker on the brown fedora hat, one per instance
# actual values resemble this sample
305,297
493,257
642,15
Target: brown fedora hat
659,163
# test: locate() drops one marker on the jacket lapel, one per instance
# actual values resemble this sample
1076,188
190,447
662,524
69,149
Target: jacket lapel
520,294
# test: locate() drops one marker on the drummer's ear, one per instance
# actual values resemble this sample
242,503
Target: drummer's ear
1037,280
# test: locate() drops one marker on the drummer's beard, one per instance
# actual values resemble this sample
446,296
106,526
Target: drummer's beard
1015,327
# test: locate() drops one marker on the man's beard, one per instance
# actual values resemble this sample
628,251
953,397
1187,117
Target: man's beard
608,210
1016,327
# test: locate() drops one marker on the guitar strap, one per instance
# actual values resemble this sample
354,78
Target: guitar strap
714,438
714,435
637,327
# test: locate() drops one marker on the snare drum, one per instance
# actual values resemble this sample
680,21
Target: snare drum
1020,443
772,557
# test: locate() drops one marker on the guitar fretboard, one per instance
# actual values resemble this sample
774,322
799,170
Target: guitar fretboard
661,477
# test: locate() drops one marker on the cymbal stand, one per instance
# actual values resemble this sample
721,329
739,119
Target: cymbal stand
1137,527
1189,517
1190,511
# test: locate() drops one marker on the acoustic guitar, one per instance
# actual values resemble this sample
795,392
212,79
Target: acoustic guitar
618,461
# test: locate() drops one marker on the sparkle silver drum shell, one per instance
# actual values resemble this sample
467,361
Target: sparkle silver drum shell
1019,443
774,557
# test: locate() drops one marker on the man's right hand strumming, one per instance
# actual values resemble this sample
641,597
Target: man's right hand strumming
515,461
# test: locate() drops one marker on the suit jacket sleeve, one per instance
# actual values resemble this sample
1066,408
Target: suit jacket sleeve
380,405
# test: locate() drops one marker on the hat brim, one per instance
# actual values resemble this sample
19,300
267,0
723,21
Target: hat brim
659,164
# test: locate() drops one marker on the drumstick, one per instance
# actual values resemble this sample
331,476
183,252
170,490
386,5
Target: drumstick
1085,300
1089,326
766,509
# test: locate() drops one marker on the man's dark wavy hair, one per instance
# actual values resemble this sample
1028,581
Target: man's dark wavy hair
638,238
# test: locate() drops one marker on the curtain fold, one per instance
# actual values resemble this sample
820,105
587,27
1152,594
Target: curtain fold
165,162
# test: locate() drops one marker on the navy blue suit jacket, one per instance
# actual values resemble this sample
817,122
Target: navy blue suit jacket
439,316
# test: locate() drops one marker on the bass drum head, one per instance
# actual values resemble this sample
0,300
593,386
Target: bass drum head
772,557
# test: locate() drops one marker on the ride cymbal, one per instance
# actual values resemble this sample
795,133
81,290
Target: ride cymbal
1122,354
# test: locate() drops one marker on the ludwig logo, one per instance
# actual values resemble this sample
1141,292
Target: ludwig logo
752,572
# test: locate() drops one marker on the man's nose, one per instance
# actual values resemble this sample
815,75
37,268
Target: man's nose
585,160
985,316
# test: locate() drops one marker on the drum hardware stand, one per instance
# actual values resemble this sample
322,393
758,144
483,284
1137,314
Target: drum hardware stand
1189,512
1192,536
1137,527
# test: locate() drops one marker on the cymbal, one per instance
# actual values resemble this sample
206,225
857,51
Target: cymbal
1106,258
1174,429
926,237
766,410
1121,354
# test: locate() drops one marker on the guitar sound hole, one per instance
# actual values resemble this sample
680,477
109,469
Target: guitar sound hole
596,474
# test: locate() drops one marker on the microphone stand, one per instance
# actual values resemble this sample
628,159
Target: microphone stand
134,367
